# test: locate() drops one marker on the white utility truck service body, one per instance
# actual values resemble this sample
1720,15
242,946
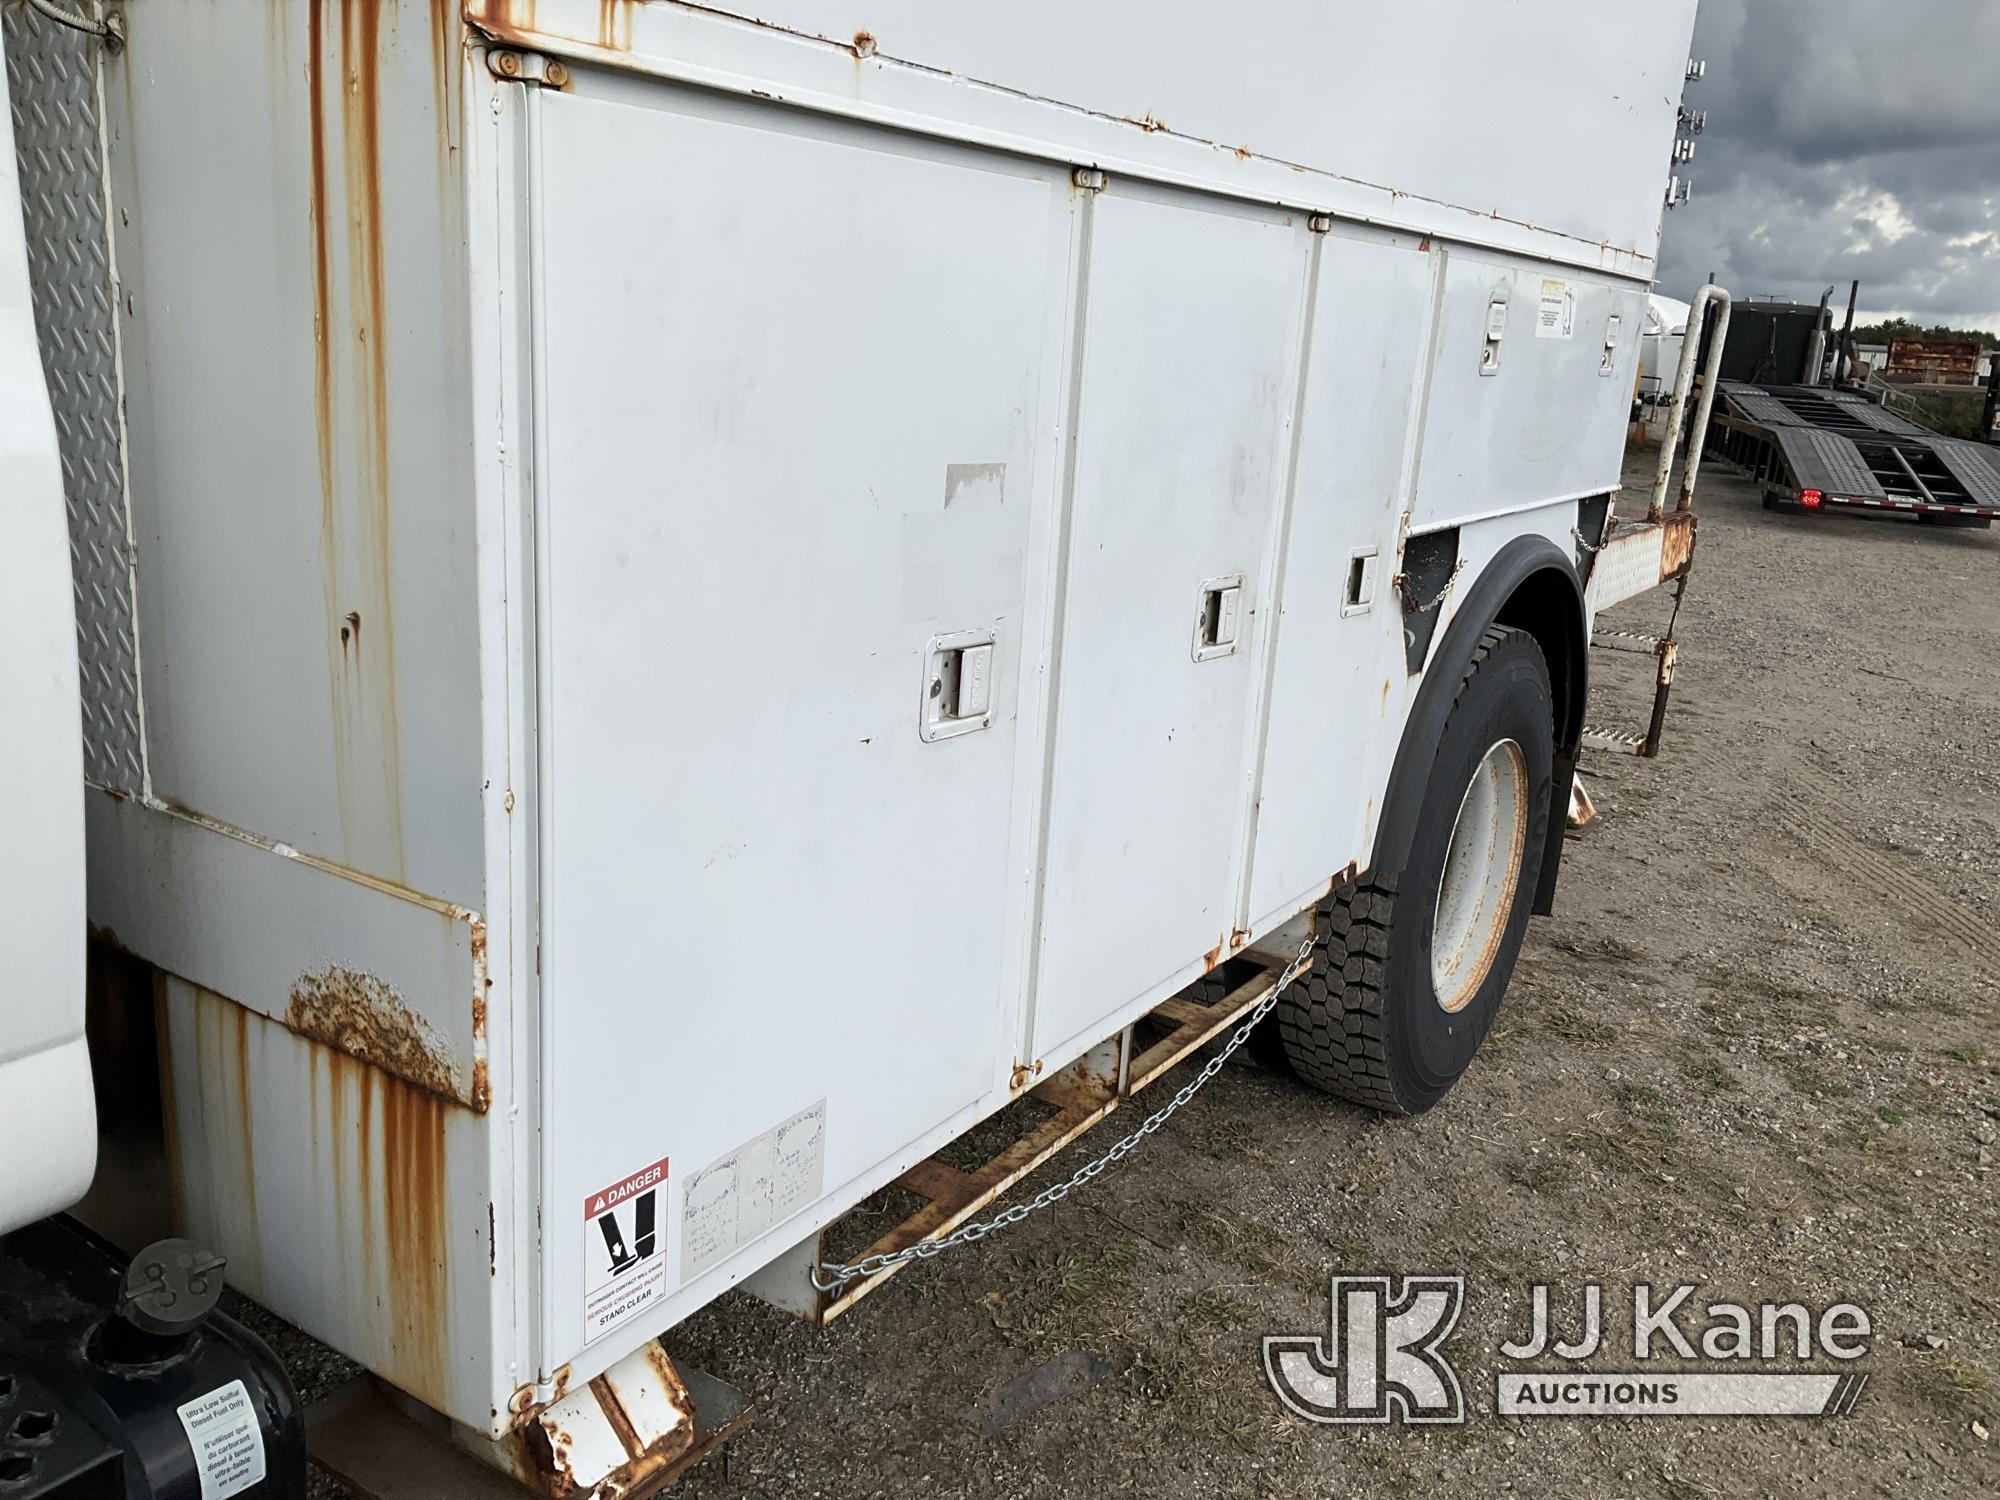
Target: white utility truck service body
718,596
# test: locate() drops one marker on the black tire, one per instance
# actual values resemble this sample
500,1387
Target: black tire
1366,1024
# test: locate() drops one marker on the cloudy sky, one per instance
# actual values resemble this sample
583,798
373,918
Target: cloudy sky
1847,138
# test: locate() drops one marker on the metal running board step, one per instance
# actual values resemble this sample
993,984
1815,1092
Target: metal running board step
1665,651
1615,740
1634,641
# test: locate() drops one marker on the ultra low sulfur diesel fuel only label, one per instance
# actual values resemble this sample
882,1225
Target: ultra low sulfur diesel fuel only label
624,1249
228,1445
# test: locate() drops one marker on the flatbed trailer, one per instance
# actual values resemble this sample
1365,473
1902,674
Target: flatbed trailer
1819,449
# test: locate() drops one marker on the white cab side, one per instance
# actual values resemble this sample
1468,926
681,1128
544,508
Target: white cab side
47,1115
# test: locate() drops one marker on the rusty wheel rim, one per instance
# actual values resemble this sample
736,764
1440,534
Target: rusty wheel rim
1482,867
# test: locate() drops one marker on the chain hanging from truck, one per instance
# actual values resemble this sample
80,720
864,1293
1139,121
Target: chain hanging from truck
839,1273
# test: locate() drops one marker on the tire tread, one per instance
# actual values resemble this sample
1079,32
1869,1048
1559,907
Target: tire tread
1334,1021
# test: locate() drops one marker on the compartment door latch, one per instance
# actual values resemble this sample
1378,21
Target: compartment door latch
958,685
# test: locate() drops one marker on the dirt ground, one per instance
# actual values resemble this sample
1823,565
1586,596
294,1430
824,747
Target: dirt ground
1753,1050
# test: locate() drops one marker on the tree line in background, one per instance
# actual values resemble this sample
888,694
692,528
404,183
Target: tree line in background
1903,328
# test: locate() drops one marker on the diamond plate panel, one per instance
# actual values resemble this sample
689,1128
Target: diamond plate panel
52,81
1974,465
1758,406
1862,410
1827,461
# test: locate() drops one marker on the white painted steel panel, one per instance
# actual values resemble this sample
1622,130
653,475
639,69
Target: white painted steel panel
47,1115
1536,112
1549,421
352,1201
301,444
1189,362
1338,684
1529,126
772,350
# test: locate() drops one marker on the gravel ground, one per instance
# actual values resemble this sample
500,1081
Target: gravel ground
1753,1050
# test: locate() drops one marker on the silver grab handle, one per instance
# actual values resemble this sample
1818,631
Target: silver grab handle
1656,506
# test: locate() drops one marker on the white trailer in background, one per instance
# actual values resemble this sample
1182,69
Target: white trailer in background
718,598
1660,342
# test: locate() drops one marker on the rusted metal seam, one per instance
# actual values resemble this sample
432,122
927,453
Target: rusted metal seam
325,866
479,1090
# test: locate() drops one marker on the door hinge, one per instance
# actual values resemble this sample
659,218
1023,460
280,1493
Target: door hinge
527,67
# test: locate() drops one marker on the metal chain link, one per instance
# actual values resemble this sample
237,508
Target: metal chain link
869,1265
1577,532
1410,606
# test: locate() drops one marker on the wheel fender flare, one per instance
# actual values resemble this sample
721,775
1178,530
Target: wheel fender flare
1515,564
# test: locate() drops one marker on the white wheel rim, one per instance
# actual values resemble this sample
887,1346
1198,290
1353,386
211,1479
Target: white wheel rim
1482,866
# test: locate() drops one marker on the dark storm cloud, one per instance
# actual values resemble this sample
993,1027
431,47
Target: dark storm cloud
1847,138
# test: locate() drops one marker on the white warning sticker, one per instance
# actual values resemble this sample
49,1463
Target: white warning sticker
228,1445
762,1182
624,1249
1555,316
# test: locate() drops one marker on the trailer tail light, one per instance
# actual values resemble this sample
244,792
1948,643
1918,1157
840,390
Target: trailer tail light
1810,499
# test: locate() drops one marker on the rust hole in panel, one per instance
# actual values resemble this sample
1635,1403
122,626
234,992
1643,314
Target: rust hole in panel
365,1017
864,44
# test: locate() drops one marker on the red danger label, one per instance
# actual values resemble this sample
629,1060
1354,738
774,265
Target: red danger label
598,1203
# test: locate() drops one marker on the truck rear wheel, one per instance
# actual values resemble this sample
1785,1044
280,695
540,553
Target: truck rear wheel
1411,965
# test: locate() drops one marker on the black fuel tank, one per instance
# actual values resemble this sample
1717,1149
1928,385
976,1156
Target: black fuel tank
119,1380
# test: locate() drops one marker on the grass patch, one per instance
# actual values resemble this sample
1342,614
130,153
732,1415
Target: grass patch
1964,1055
1573,1023
1214,1307
1706,1071
1803,1078
1084,1276
1722,1017
1752,994
1882,1044
1643,1102
1959,1384
1620,1150
1888,1114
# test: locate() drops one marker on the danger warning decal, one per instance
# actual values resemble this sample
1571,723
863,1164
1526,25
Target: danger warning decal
624,1249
